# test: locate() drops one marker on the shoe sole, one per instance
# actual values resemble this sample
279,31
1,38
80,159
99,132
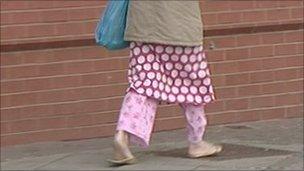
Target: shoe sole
204,155
127,161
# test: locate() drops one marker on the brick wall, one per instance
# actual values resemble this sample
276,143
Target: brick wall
56,84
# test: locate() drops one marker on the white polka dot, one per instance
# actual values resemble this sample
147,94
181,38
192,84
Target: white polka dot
158,76
145,49
203,65
136,51
142,75
165,57
178,50
135,77
172,98
175,90
178,66
174,58
155,84
156,94
190,98
200,48
174,73
178,82
188,68
137,83
199,57
132,45
207,72
159,49
196,49
201,73
149,92
147,67
207,98
161,86
184,58
167,89
188,50
198,99
141,59
207,81
133,71
162,68
193,90
213,96
164,78
184,89
197,82
140,90
169,81
147,82
187,82
169,66
155,66
203,90
151,75
130,80
183,74
204,54
193,76
211,89
181,98
195,67
133,61
169,49
139,68
150,57
192,58
164,96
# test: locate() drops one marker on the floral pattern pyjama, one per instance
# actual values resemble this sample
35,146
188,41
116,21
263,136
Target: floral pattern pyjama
174,74
137,117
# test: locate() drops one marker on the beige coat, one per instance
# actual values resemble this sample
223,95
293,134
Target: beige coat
166,22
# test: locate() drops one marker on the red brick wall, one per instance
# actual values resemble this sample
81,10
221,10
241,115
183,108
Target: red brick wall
56,84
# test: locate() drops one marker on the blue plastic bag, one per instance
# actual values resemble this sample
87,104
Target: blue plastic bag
111,27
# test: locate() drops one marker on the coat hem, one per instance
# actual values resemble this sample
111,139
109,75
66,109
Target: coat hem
165,42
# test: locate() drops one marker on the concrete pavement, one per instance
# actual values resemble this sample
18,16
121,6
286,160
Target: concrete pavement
262,145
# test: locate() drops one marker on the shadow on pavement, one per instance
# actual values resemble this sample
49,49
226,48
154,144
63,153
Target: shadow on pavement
230,152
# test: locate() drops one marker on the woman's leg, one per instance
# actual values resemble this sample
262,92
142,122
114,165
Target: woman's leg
196,125
136,120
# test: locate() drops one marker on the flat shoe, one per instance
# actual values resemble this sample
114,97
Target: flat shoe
204,154
126,161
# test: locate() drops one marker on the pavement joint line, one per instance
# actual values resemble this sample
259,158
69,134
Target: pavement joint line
195,168
261,145
279,165
53,161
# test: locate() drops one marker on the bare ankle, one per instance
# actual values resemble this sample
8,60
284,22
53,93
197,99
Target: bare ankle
121,137
120,134
194,144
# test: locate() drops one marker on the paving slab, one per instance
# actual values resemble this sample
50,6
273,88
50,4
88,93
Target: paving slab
31,163
262,145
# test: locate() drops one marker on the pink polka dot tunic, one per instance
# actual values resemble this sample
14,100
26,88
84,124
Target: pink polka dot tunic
174,74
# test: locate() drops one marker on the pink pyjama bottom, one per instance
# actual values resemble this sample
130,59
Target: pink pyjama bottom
137,117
